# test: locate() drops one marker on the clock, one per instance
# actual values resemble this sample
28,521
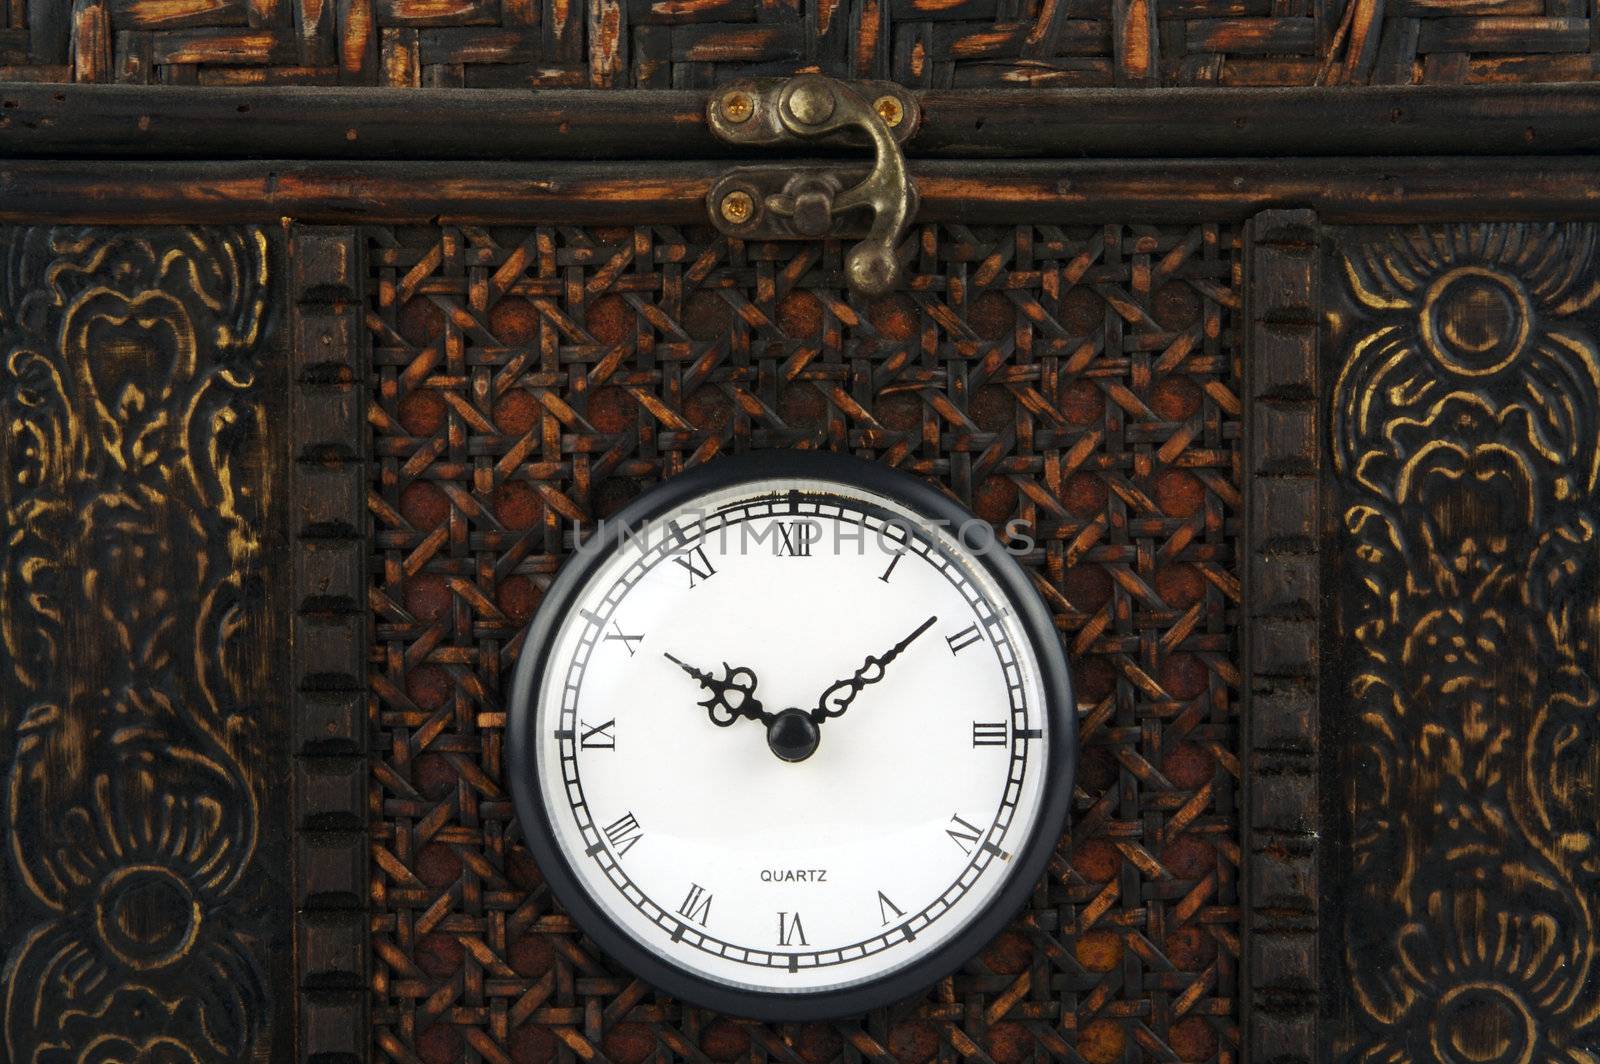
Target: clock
792,736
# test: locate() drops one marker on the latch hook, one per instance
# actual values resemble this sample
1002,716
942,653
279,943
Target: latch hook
809,202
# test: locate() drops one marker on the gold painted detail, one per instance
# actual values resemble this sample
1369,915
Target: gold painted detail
1465,433
133,480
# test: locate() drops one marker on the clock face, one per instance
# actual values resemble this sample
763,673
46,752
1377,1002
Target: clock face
789,745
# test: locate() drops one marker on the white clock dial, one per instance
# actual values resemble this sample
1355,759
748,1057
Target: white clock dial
791,738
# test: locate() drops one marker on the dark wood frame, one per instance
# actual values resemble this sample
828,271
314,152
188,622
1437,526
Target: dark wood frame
1282,592
327,524
135,122
1344,191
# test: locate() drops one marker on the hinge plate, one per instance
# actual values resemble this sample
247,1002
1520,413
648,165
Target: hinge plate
787,202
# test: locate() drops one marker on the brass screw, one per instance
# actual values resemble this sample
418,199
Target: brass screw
890,110
737,106
737,206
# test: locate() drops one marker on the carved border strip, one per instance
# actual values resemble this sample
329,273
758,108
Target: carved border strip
328,545
1281,594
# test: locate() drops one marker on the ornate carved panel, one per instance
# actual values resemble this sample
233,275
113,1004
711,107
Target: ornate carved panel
1086,381
697,43
1464,437
145,911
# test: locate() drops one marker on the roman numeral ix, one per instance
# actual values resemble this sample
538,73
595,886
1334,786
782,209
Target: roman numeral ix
599,736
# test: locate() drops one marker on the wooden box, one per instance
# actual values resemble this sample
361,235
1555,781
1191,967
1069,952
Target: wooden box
308,381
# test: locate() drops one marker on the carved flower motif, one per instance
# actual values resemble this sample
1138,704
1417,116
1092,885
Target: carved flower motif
128,397
1459,307
131,557
135,1027
1466,435
139,855
1482,981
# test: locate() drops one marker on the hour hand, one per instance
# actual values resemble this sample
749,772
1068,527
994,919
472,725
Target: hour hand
731,697
837,698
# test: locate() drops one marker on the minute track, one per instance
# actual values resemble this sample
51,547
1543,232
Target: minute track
663,914
858,813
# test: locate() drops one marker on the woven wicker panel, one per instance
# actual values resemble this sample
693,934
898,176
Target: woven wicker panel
1084,381
696,43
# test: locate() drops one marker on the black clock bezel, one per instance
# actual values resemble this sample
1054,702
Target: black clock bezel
1032,855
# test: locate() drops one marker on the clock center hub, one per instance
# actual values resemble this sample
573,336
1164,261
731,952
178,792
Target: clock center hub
793,735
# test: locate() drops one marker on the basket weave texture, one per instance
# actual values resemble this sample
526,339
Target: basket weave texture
700,43
1084,381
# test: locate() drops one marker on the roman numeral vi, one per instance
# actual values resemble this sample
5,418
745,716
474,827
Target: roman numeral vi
790,933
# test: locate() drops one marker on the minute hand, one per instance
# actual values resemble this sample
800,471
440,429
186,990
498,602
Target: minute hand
836,699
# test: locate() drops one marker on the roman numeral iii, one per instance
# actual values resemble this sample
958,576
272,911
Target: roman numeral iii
988,733
963,639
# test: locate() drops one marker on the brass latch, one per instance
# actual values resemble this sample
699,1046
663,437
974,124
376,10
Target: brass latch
811,202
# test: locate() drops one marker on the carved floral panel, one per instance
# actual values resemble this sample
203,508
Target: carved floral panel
143,896
1464,428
